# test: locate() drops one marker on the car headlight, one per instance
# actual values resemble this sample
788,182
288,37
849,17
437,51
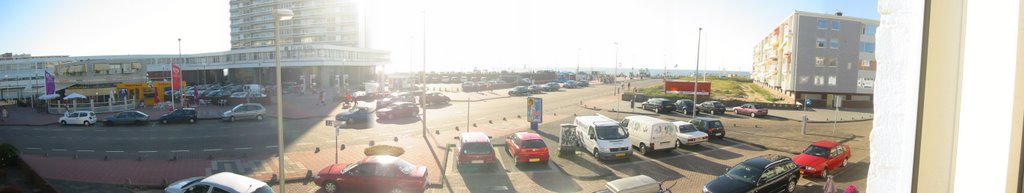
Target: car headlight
809,168
316,177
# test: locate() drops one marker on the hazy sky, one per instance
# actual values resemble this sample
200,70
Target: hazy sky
461,34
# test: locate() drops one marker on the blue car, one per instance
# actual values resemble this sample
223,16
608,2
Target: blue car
186,115
354,115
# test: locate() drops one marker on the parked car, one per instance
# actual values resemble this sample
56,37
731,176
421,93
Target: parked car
583,83
713,127
245,111
378,173
633,184
549,87
767,173
754,110
688,134
396,97
474,149
713,107
354,115
685,106
649,134
636,97
822,157
221,182
658,105
518,91
398,110
535,89
239,94
437,97
86,118
188,115
127,117
525,147
603,137
469,87
570,84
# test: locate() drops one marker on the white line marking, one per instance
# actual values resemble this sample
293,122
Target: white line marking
271,146
176,151
59,150
243,148
115,151
212,149
33,148
147,151
86,150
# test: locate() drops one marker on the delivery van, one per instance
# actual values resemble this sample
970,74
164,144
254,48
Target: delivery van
602,137
649,134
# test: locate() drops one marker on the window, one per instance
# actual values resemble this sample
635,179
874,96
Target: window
833,43
865,63
218,190
819,80
869,30
822,24
819,61
835,24
821,42
832,62
868,47
198,189
832,80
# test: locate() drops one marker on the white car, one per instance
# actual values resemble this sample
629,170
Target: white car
86,118
220,182
688,134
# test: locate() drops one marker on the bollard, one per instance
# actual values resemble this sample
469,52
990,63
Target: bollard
437,132
504,119
317,150
474,124
139,158
519,116
733,124
309,174
106,158
173,158
342,147
75,156
456,128
755,126
556,114
273,177
396,138
489,121
163,182
371,142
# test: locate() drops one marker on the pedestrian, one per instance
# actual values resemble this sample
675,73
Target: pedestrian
3,110
67,111
322,97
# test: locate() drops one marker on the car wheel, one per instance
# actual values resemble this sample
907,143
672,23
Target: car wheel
232,118
330,187
846,162
191,120
679,144
86,123
259,117
163,121
63,123
792,185
721,136
753,115
643,149
824,173
596,155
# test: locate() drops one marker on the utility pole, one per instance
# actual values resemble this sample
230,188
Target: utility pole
699,30
171,70
423,76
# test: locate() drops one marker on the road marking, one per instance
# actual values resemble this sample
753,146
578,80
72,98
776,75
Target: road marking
147,151
176,151
58,150
115,151
32,148
86,150
271,146
99,130
243,148
212,149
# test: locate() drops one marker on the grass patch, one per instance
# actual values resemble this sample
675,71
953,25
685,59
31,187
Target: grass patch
722,88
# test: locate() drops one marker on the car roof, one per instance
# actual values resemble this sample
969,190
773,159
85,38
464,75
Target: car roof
235,182
528,135
645,119
764,160
598,120
682,123
707,118
826,144
474,137
379,159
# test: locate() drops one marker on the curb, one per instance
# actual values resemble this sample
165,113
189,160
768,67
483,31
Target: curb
478,100
844,140
580,177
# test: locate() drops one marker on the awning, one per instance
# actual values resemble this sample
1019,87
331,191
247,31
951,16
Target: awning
91,91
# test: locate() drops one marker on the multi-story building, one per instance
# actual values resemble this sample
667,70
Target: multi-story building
323,41
823,57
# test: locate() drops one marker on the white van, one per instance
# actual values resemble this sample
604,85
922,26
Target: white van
603,137
649,134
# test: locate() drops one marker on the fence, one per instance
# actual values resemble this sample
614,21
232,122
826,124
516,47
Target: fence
92,105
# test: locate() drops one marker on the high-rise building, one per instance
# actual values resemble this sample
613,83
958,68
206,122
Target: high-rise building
823,57
333,22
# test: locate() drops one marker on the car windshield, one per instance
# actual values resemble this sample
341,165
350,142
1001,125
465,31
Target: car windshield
349,167
715,124
744,173
476,148
666,102
817,151
687,128
355,110
718,104
759,106
264,189
611,133
404,166
534,143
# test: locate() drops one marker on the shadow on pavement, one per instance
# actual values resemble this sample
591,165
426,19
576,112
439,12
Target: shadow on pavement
555,182
735,144
697,164
399,121
486,180
438,106
652,169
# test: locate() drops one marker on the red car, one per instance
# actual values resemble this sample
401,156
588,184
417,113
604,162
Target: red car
379,173
752,110
475,150
526,148
822,157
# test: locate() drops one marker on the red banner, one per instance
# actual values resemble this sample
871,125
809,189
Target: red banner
686,87
175,77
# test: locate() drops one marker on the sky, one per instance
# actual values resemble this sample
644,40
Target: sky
461,35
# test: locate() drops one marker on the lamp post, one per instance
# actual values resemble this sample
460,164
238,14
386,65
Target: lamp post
695,73
578,50
615,76
279,15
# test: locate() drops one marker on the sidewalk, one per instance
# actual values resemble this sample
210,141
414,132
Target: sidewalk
824,115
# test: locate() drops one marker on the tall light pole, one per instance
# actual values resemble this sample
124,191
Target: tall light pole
699,30
578,50
280,15
615,76
172,73
423,75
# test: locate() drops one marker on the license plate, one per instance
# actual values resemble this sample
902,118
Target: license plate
620,155
718,134
477,161
534,159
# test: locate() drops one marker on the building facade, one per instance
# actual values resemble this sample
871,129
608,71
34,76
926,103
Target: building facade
824,57
308,57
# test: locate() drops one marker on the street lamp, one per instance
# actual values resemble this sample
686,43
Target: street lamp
696,72
279,15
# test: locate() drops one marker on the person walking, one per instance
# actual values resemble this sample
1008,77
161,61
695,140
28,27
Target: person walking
3,110
67,111
322,97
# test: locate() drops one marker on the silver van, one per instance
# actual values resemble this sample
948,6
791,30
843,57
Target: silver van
245,111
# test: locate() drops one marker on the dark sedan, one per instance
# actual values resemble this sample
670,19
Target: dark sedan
713,107
767,173
188,115
658,105
127,117
518,91
354,115
397,110
535,89
684,106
